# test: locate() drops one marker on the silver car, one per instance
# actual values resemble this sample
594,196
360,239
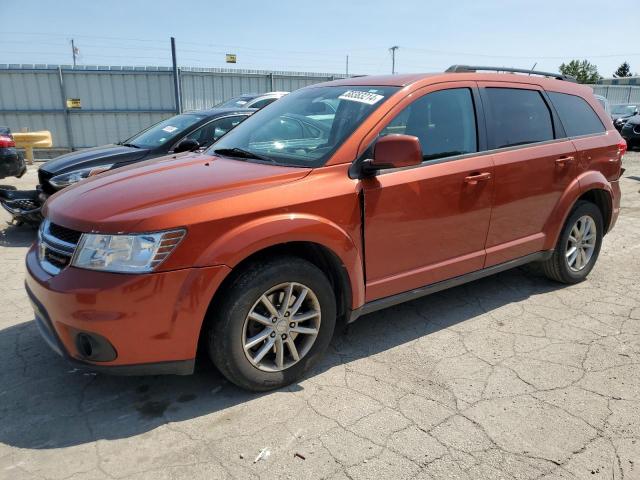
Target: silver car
252,100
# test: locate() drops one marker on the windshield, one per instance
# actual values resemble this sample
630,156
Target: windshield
237,102
163,132
303,128
623,109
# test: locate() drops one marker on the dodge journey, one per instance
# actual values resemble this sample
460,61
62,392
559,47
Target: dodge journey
337,200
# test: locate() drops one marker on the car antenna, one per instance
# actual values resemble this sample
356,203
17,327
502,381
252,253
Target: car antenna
533,68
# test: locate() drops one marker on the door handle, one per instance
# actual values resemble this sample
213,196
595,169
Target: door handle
562,161
474,178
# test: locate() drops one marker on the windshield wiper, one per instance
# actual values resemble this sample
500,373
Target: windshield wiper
242,153
133,145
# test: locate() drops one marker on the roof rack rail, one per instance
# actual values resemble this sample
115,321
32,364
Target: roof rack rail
473,68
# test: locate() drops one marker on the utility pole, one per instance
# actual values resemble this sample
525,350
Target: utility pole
176,80
74,52
347,65
393,58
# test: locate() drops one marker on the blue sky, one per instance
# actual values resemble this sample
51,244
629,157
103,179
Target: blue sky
317,35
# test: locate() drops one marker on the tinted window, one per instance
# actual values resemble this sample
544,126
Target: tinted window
624,109
518,117
237,102
576,115
444,122
262,103
212,131
164,132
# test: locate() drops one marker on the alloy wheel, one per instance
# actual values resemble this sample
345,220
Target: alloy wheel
581,243
281,327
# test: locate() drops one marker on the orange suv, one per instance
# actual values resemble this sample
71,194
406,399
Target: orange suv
337,200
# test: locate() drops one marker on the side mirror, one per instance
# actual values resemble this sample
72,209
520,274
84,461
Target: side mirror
187,145
395,151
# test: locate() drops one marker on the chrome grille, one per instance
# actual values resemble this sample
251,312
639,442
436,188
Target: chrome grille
56,246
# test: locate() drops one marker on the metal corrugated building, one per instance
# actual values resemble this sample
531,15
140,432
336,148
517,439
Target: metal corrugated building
117,102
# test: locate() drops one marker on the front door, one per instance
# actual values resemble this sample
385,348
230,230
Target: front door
428,223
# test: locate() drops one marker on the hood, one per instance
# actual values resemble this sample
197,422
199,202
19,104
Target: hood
93,157
163,193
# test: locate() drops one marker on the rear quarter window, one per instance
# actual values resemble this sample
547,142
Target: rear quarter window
576,115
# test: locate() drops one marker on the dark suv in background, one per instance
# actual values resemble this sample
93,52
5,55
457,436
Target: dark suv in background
631,131
622,112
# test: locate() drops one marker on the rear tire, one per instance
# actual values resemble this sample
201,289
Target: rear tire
578,246
252,309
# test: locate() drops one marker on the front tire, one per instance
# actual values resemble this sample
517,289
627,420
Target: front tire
578,246
274,321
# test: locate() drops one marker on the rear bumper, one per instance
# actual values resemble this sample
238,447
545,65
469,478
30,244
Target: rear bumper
138,324
615,210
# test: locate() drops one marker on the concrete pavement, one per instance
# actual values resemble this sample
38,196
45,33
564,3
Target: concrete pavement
509,377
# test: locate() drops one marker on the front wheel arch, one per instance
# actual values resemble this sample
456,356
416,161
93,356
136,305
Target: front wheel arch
319,255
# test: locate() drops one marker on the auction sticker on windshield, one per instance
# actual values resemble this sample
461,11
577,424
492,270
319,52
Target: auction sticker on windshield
362,97
170,129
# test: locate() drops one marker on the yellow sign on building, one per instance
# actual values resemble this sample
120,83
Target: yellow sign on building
73,103
231,58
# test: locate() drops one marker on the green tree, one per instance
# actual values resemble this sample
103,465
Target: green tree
583,70
623,70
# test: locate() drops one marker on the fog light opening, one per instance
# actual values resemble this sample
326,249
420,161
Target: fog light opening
85,346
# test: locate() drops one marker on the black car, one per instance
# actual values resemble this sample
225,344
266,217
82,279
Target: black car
622,112
185,132
631,131
11,161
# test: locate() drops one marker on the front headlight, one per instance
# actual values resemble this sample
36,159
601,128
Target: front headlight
138,253
69,178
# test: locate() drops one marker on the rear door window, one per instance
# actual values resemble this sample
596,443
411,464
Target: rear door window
262,103
517,117
576,115
444,121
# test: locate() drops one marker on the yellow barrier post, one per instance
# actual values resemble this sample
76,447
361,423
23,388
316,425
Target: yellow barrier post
31,140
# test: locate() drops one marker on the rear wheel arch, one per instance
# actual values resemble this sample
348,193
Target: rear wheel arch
601,198
591,187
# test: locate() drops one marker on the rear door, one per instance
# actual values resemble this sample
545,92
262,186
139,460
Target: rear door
428,223
534,163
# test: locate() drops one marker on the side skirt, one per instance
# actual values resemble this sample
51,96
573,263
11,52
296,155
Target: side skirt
386,302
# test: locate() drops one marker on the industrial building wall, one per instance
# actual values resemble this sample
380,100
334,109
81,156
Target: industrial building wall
116,102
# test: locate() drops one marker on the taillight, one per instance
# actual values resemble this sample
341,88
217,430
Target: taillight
6,142
622,148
